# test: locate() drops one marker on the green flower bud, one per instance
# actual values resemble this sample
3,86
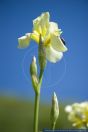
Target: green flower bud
41,55
54,110
33,67
35,82
33,72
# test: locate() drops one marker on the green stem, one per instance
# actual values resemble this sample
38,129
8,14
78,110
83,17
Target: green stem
53,126
36,107
36,111
42,63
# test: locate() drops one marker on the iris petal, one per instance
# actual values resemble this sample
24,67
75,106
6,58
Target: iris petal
40,23
35,37
53,28
57,43
24,41
52,55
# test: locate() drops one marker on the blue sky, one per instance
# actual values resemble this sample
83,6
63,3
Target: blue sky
69,77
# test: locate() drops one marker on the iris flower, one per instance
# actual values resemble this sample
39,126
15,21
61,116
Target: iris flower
50,35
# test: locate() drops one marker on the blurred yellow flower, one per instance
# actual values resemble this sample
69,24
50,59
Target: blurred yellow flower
50,35
78,114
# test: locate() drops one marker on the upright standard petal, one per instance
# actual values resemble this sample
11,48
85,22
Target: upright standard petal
24,41
53,29
52,55
57,44
45,19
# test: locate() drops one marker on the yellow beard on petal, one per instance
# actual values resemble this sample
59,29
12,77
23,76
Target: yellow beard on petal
47,42
35,37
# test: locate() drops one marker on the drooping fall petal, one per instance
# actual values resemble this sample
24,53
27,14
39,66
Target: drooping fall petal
57,43
52,55
24,41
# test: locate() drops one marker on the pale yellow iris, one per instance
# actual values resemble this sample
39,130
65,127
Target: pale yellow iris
50,34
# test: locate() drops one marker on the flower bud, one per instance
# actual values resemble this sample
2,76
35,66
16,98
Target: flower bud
35,82
41,55
33,67
54,110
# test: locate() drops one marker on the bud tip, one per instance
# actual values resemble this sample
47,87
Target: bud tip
34,59
54,94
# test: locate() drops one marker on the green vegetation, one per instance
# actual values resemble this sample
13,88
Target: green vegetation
17,116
